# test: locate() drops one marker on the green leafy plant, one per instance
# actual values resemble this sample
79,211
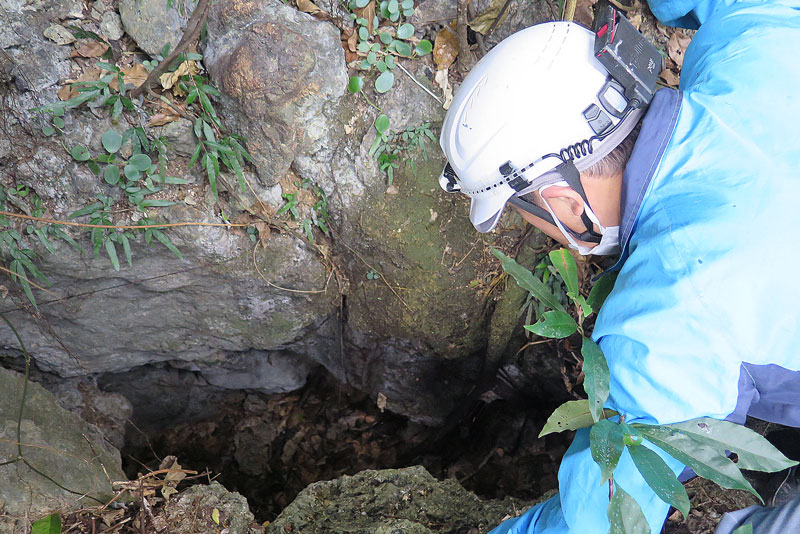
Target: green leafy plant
382,39
47,525
215,151
389,145
316,216
701,444
14,249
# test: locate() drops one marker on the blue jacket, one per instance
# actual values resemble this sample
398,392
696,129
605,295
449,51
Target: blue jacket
703,319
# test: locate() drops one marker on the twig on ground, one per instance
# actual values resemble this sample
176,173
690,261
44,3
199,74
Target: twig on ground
439,100
497,20
193,28
466,59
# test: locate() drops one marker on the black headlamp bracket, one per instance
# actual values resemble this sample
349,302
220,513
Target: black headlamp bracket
627,56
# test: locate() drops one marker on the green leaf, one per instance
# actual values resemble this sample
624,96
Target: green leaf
131,172
87,210
595,369
372,58
356,84
126,248
141,162
625,515
407,4
382,124
554,324
158,234
80,153
381,66
600,290
361,3
393,7
152,203
384,82
404,31
195,155
571,415
112,254
423,48
660,478
529,282
107,66
94,167
404,49
755,452
47,525
58,232
363,33
385,37
111,174
705,460
208,162
48,130
563,261
45,241
17,267
112,141
390,61
744,529
606,445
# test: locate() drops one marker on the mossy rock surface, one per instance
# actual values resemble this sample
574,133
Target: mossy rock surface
392,501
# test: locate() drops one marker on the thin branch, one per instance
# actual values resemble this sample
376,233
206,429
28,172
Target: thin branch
31,282
121,227
420,84
497,20
258,270
466,59
193,28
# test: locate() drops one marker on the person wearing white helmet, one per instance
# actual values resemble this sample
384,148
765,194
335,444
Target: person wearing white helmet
703,318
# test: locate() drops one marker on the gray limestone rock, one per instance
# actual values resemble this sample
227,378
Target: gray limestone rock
111,25
29,59
406,500
191,511
78,464
278,67
152,25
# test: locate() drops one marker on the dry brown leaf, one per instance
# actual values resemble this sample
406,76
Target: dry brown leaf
169,80
160,119
367,12
308,7
67,92
445,49
676,47
442,79
90,49
352,40
671,78
485,20
381,402
584,13
135,74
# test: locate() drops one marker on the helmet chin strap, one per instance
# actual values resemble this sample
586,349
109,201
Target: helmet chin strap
566,172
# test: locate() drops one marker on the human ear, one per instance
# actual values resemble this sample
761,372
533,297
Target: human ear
567,196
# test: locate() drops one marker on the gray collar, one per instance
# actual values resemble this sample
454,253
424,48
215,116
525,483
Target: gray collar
657,128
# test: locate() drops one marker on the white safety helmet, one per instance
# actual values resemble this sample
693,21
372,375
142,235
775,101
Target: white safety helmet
533,102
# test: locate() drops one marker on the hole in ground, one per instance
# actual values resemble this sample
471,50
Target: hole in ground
269,447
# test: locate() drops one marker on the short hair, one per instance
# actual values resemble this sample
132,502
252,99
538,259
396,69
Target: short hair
616,160
614,163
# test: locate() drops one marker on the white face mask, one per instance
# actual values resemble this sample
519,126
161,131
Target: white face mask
609,242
